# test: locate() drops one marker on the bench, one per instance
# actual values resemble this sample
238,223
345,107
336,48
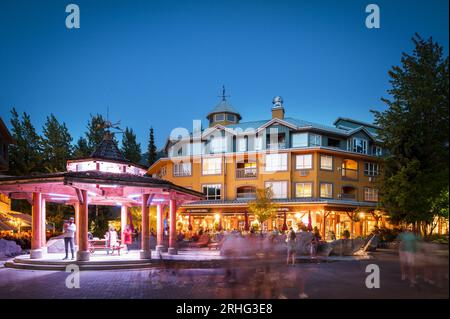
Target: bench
100,244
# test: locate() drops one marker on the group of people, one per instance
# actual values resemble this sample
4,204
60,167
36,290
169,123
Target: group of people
291,240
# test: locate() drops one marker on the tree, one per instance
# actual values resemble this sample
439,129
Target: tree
130,148
25,156
414,131
81,149
96,131
57,147
152,155
263,208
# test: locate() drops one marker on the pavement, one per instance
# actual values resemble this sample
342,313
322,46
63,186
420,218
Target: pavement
228,279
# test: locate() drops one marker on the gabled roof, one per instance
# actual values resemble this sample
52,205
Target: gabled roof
107,149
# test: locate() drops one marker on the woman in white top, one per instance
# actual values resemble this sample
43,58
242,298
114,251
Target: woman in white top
111,239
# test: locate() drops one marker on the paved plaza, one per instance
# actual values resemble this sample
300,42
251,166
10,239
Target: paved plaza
221,279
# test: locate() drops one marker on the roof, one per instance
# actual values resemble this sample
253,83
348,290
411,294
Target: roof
5,132
223,107
107,149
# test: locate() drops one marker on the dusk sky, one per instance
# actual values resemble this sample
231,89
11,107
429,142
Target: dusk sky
162,63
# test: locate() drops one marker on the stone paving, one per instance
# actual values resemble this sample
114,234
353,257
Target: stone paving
336,279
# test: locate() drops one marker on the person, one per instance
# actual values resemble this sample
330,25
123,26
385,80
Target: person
127,237
407,251
291,243
69,230
111,239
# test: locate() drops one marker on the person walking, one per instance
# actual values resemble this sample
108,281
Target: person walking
407,252
127,237
291,245
69,230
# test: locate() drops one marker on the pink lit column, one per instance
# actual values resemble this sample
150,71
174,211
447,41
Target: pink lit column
159,228
76,207
82,227
145,252
44,227
173,230
123,222
36,230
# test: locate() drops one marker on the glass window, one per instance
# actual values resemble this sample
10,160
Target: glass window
231,118
370,194
212,166
303,190
219,117
279,189
326,162
303,161
332,142
371,169
217,144
212,191
242,143
258,143
359,145
276,162
315,140
377,150
182,169
326,190
300,140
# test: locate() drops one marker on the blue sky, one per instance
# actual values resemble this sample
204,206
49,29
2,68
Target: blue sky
162,63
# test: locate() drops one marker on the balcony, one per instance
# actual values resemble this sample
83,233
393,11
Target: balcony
181,173
347,196
349,174
246,195
276,146
249,172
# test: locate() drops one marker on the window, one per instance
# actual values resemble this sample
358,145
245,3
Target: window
303,161
303,190
212,166
242,144
371,194
231,118
300,140
326,162
212,191
377,150
371,169
315,140
359,145
332,142
217,144
279,189
258,143
276,162
219,117
326,190
182,169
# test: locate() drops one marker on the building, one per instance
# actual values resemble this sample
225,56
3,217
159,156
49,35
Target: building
318,173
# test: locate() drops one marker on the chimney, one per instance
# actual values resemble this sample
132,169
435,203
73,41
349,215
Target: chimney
277,109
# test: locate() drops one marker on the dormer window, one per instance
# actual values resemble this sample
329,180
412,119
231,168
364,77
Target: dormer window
357,145
231,118
219,117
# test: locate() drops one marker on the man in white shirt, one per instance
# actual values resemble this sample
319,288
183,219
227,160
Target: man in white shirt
69,232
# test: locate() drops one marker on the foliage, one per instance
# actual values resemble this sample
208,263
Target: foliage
151,150
414,131
57,147
95,131
81,148
130,148
263,208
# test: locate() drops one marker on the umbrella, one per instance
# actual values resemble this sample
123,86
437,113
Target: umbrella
245,221
284,222
309,221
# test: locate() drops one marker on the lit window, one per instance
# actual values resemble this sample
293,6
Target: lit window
370,194
303,190
279,189
276,162
212,191
326,162
300,140
182,169
326,190
315,140
371,169
303,161
212,166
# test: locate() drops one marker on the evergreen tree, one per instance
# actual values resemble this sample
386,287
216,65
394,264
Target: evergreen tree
415,132
96,131
81,149
25,156
57,147
151,150
130,148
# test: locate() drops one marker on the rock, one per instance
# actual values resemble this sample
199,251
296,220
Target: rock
346,247
9,248
55,245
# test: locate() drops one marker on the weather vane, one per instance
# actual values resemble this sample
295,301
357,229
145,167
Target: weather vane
107,124
223,96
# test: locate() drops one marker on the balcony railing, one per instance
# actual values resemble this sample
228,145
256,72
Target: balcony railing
275,146
349,173
246,172
243,195
181,173
347,196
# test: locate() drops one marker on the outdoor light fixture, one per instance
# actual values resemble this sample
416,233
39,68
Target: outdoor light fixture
134,196
59,195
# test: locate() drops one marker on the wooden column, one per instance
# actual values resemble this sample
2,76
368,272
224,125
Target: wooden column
36,227
159,228
123,222
76,207
82,228
145,252
173,227
44,227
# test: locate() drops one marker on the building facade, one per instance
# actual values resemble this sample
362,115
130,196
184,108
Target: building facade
321,174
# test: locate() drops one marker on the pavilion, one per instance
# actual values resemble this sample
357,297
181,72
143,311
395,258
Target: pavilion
104,178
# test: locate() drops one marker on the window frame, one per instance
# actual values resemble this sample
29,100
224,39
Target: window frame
303,155
320,189
332,163
278,182
374,191
276,170
212,174
215,195
304,183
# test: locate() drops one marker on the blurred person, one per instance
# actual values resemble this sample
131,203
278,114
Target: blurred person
127,237
291,246
111,239
69,229
407,252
